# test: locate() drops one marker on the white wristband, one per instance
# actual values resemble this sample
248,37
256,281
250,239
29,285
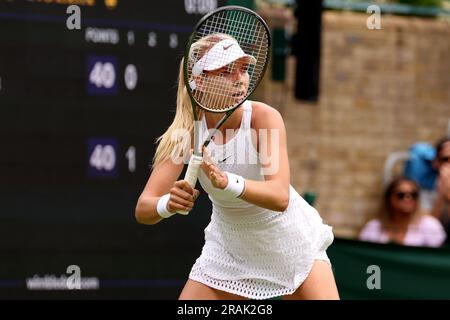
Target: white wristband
235,186
162,207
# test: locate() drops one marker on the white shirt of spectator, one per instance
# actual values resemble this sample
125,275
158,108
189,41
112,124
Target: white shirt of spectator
427,232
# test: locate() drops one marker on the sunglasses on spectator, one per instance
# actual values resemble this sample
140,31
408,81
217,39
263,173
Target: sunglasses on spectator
444,159
402,195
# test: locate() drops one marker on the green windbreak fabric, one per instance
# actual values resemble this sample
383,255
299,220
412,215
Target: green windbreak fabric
405,272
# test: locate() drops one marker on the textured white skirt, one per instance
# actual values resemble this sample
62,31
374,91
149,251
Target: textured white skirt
263,255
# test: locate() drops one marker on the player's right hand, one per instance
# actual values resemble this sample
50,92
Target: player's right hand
182,196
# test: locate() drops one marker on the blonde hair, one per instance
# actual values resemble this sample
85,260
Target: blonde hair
171,142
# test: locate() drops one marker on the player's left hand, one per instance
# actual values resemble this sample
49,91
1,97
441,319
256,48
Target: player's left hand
218,178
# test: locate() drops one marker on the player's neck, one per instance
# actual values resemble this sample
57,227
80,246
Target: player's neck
233,122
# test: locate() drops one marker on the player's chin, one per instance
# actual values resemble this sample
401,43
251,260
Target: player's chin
238,97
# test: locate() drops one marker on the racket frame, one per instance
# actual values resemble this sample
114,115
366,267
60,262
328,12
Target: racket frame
197,156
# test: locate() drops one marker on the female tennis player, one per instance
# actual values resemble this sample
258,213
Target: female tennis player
263,240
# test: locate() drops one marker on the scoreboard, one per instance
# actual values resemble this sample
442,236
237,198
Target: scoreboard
82,107
80,110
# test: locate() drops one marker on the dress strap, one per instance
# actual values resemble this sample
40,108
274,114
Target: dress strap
247,121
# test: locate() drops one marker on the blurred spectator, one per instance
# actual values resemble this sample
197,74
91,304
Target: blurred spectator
420,168
400,221
441,206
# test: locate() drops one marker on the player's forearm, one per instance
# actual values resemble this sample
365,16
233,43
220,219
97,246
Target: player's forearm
145,211
271,195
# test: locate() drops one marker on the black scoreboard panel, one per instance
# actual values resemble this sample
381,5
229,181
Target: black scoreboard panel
80,110
84,99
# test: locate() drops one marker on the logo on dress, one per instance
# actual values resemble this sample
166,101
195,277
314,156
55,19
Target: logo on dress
222,161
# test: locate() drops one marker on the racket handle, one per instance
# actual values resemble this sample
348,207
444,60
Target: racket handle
192,174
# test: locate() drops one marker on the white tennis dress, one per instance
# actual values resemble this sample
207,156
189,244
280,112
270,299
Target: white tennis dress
252,251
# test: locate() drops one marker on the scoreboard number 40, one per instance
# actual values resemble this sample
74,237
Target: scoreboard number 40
103,75
103,157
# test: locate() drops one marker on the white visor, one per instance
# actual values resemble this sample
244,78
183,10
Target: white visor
220,55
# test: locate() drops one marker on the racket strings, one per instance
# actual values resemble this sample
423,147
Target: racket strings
243,35
222,94
240,30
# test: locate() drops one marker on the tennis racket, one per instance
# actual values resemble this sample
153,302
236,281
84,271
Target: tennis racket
219,40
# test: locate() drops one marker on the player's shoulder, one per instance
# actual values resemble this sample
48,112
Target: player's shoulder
261,109
264,114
